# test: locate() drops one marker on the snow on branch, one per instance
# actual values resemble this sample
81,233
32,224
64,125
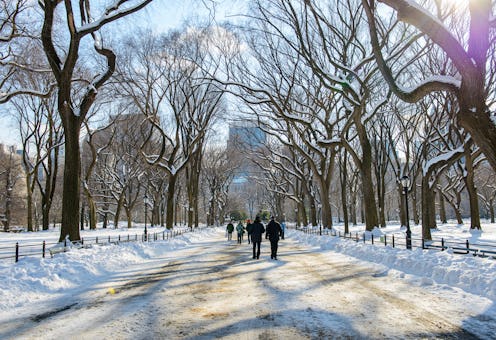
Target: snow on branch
112,13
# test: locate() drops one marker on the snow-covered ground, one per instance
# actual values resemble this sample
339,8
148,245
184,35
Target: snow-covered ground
35,283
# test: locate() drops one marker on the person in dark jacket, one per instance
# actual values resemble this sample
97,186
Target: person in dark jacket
229,229
257,229
274,230
248,230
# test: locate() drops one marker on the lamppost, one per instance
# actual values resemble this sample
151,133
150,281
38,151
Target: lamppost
190,218
320,218
296,218
405,182
145,201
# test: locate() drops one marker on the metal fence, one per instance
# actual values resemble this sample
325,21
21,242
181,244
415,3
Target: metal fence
43,249
482,249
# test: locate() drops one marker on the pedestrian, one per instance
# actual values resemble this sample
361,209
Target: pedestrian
256,236
248,230
274,230
283,227
240,230
230,229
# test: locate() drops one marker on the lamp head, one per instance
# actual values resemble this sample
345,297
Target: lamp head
405,181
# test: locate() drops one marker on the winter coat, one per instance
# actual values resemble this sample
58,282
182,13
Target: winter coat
240,229
274,230
256,232
249,228
230,228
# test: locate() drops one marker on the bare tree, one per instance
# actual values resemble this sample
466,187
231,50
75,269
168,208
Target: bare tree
468,53
73,110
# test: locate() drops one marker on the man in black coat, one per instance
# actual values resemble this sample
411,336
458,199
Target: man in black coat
257,229
274,230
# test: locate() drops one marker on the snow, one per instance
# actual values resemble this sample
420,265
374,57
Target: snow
35,283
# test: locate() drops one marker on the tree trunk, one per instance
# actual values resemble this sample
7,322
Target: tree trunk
442,209
491,209
428,209
416,215
129,217
118,210
472,192
369,204
29,201
72,174
343,176
169,218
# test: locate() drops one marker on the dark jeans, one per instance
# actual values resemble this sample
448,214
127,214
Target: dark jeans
273,248
256,245
282,235
240,238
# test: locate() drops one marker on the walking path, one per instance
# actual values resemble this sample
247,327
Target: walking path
214,289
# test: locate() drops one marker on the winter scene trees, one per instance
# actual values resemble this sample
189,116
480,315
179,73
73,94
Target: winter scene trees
354,118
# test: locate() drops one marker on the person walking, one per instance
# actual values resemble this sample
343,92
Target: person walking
240,229
283,227
274,230
229,229
256,236
248,230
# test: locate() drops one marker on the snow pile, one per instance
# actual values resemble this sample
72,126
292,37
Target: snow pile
36,278
472,274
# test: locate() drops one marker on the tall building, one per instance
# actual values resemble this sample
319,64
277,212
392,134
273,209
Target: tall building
243,140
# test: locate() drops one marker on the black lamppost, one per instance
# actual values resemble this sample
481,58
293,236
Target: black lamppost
296,218
405,182
145,200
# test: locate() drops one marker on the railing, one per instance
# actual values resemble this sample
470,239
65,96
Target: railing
44,248
482,249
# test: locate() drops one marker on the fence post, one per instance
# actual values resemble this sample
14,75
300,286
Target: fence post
393,240
109,239
385,239
119,237
363,237
442,243
372,238
44,247
423,243
356,235
82,240
17,252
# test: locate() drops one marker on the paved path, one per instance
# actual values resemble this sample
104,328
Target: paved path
214,289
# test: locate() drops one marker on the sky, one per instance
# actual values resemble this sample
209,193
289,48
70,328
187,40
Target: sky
79,276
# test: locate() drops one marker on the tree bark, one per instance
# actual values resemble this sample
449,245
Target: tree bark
442,208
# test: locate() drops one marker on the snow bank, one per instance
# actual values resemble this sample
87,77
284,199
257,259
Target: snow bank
35,278
472,274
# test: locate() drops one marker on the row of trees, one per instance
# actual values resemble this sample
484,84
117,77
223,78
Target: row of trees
321,79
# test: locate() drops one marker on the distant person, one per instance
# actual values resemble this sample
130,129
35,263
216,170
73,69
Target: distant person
229,229
274,230
240,229
256,236
283,227
249,227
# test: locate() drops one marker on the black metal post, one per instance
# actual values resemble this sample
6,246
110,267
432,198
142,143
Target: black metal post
146,216
408,231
